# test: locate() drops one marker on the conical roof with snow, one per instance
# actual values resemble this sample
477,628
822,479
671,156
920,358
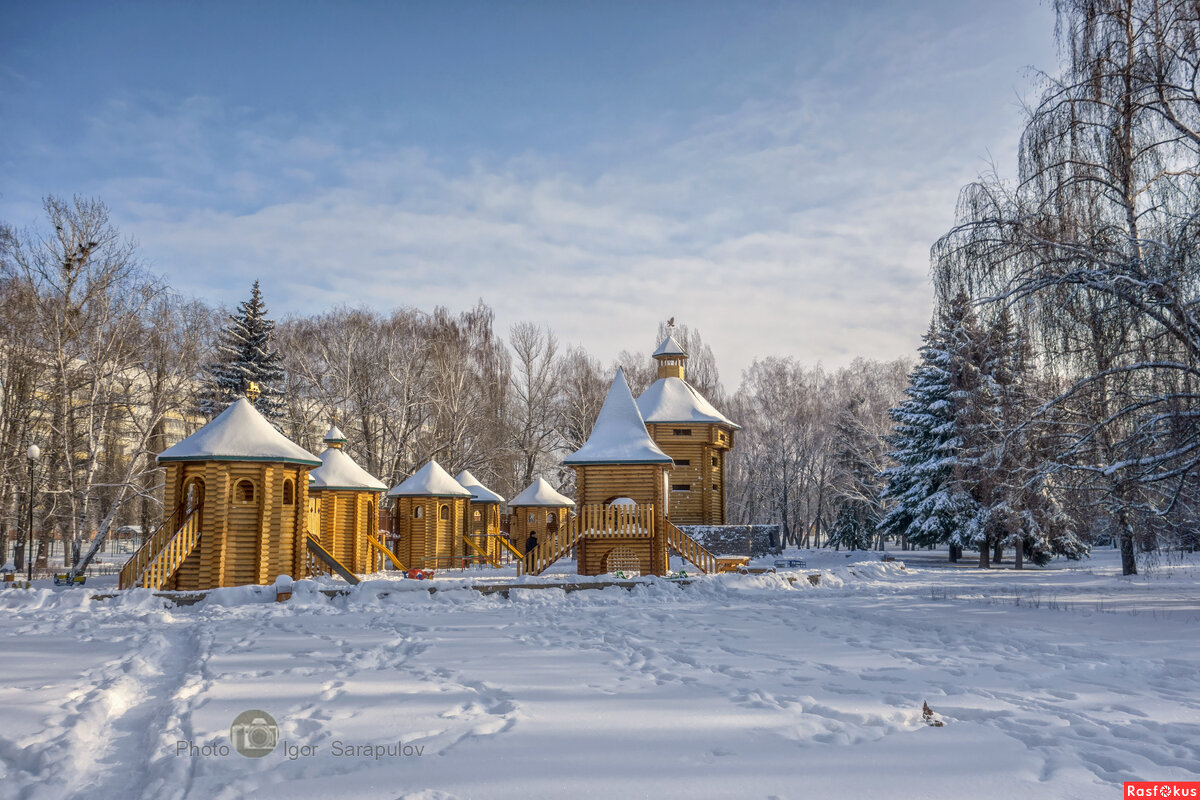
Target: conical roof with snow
669,347
619,435
541,493
335,435
239,433
479,492
338,471
675,400
430,481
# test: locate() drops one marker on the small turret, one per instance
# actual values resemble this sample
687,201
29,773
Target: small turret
335,438
671,359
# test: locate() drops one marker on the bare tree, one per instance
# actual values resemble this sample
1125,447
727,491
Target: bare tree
105,391
1096,248
535,386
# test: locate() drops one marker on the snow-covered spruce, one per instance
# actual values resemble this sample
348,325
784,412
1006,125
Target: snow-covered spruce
246,355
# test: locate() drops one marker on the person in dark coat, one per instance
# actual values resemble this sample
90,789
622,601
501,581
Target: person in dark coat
530,545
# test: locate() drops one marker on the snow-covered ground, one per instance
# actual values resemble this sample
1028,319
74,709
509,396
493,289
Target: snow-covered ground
1056,683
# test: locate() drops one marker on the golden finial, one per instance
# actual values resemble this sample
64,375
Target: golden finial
253,392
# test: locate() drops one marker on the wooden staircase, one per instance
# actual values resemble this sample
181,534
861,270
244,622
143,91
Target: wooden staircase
159,556
546,553
693,551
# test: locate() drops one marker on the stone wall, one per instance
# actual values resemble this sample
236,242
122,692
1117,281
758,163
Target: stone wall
736,540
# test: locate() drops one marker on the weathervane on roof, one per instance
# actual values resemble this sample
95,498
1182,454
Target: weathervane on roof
671,326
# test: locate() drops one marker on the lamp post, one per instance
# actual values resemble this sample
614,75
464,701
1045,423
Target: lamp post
34,453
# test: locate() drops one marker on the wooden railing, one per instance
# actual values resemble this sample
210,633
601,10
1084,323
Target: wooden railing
150,548
317,551
556,545
156,561
312,566
614,520
692,550
591,520
508,546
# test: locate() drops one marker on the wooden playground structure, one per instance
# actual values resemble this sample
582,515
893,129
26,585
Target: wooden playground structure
246,505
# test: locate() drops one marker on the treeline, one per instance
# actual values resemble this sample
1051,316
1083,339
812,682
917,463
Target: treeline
1090,258
104,366
1056,401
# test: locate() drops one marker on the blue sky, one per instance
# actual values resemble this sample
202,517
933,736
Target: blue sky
770,173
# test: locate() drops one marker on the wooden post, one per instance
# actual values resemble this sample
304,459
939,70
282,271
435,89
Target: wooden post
216,501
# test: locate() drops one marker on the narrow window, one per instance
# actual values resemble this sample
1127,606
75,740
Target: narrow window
418,512
289,492
681,487
532,518
683,462
445,512
551,519
244,492
682,431
714,461
478,516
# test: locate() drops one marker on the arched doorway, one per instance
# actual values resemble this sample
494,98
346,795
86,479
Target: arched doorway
622,559
193,495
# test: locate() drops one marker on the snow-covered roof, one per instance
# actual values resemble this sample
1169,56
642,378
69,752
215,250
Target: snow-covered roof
675,400
335,435
479,492
338,471
619,435
239,433
541,493
669,347
430,481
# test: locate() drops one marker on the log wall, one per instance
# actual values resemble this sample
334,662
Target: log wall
429,542
698,477
645,484
242,541
595,551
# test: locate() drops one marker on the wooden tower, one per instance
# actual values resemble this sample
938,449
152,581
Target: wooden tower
621,465
347,501
539,511
693,433
235,499
430,516
483,522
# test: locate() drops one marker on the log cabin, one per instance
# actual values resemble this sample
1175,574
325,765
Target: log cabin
344,506
235,506
430,512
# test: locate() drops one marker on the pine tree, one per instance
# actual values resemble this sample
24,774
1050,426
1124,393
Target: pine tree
929,489
245,355
972,479
1018,506
854,526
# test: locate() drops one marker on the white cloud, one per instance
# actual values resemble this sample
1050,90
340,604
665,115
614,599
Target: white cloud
796,225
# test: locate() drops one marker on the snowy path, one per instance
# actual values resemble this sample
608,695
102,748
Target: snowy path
736,687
